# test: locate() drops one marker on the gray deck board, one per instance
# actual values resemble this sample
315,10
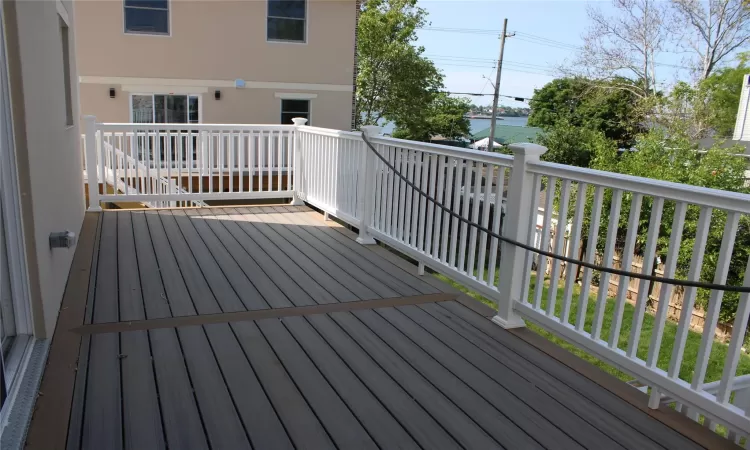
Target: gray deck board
253,272
102,425
161,280
630,416
339,240
298,266
383,285
141,415
432,376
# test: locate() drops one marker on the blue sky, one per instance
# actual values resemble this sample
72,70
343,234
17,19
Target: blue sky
528,64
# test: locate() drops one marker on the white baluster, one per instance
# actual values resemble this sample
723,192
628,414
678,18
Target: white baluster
627,262
562,222
541,266
649,254
575,241
609,250
593,237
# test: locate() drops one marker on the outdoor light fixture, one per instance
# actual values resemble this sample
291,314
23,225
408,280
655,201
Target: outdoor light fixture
217,94
111,92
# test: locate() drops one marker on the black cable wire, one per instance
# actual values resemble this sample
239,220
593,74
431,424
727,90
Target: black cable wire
673,281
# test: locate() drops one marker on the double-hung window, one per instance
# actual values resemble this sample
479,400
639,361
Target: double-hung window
147,16
287,20
294,108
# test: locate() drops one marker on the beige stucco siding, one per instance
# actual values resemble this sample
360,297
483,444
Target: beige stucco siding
328,109
222,40
47,148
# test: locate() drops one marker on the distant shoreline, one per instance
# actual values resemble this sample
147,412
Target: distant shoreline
468,116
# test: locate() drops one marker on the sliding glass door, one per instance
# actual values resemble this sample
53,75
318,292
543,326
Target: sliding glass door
166,108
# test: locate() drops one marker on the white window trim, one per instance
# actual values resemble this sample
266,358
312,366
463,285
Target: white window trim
188,94
285,41
144,33
11,203
309,108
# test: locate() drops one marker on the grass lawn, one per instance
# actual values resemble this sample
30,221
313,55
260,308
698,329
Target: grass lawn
718,352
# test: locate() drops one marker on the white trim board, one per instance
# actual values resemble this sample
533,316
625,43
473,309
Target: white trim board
294,96
192,83
181,90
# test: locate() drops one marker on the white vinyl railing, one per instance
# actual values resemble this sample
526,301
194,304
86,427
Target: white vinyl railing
337,172
189,162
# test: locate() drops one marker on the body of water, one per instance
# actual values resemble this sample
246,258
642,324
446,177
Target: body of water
477,125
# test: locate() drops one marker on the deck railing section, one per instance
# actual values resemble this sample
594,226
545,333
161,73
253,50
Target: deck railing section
518,196
184,163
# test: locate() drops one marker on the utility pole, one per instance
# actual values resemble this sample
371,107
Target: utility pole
496,98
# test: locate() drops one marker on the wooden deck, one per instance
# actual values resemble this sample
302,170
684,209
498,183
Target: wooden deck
159,345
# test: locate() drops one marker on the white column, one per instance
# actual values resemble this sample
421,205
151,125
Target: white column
366,187
89,123
518,217
296,201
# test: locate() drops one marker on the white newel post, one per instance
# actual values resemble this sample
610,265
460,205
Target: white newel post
91,165
366,187
516,226
296,200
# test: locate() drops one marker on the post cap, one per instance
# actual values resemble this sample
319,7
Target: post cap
528,149
299,121
371,130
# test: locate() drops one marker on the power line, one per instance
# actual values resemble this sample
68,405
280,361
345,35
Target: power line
531,39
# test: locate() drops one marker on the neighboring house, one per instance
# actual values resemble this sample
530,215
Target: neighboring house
184,61
742,127
40,193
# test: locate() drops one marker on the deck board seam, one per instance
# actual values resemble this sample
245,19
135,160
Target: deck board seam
270,257
300,253
216,261
315,259
406,391
520,373
318,246
84,346
333,389
240,266
148,334
357,376
296,385
448,369
469,363
176,334
204,332
384,277
373,257
509,368
591,396
425,379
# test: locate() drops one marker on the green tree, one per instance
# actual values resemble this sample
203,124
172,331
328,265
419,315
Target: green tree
724,87
669,157
572,145
394,80
445,116
583,103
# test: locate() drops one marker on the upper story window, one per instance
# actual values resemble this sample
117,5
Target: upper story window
147,16
287,20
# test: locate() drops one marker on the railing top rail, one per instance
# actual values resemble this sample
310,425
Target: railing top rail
190,126
714,198
447,150
330,132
